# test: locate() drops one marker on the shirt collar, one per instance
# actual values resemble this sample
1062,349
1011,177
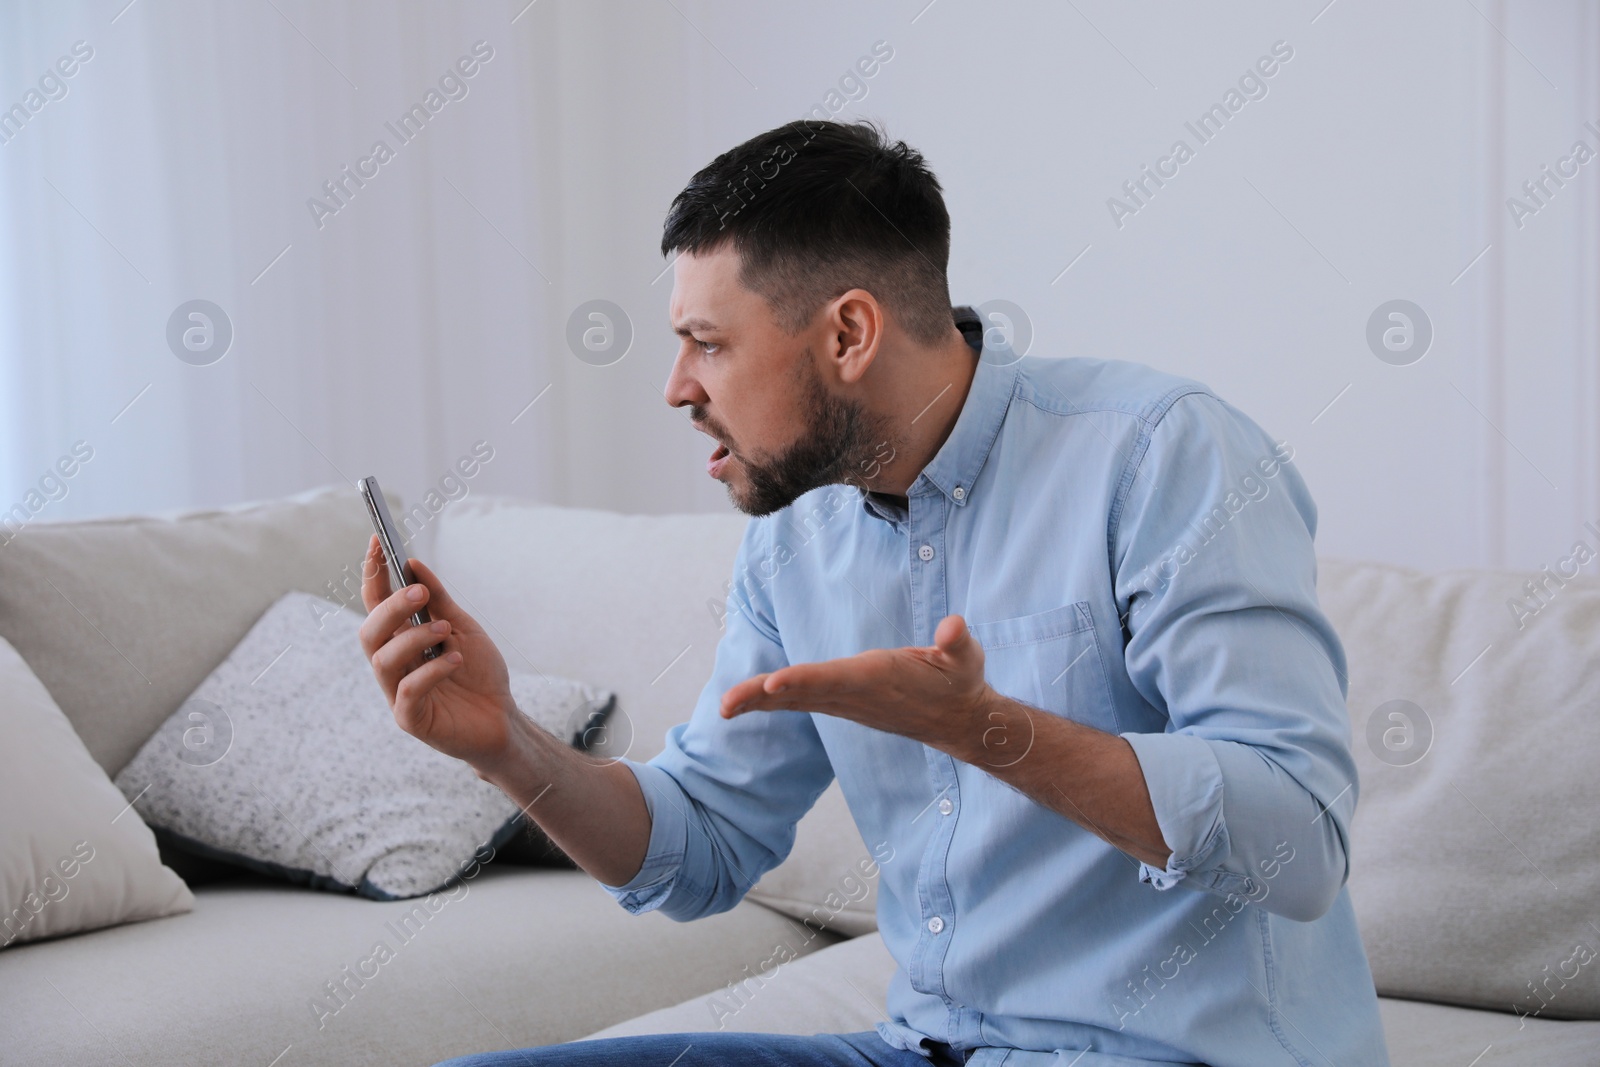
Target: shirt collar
955,467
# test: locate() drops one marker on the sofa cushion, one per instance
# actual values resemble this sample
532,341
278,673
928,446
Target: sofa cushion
512,958
1476,855
1437,1035
122,618
634,603
629,602
830,879
842,989
839,990
287,759
72,855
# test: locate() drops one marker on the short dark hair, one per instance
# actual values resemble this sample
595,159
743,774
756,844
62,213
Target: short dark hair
817,208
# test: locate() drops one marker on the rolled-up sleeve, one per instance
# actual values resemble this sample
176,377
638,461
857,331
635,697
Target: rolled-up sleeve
1252,782
669,833
724,796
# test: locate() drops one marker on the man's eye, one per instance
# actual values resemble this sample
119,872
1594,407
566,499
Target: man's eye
708,347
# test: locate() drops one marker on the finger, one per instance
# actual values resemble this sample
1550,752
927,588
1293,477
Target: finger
391,616
398,653
758,704
374,576
401,651
415,687
954,638
440,603
810,687
734,700
825,675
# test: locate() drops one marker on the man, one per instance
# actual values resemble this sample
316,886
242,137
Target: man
1060,645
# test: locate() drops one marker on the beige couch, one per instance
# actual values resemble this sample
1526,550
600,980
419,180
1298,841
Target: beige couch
1476,867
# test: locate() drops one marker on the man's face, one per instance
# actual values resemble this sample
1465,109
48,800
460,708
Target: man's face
757,390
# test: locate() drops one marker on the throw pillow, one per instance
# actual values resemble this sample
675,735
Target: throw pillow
73,856
287,760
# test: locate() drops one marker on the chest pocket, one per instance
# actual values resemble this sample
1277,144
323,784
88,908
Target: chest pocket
1050,660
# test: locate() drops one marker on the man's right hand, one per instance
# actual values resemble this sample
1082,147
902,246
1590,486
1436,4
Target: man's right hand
459,703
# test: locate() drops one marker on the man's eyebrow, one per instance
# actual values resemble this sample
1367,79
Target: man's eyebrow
688,326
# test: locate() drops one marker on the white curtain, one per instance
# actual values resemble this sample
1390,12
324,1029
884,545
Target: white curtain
424,315
392,334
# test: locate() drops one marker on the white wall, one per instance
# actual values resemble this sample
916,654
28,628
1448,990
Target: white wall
410,325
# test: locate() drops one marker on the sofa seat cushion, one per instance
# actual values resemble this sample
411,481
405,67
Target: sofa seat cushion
839,990
516,957
842,990
1437,1035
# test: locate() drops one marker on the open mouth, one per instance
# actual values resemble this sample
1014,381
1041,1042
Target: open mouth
717,460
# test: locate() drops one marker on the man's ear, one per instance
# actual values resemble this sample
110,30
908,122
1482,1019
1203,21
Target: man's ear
856,323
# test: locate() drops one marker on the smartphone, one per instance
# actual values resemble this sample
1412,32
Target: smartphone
393,546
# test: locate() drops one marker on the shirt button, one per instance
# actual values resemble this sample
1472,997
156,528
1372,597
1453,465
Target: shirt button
946,807
925,553
959,493
935,924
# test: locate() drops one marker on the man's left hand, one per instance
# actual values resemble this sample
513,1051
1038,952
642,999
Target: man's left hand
937,695
934,694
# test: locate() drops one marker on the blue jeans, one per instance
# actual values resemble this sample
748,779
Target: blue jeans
714,1049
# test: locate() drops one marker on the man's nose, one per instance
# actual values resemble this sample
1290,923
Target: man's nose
682,387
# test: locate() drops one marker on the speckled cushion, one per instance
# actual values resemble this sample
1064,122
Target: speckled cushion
287,760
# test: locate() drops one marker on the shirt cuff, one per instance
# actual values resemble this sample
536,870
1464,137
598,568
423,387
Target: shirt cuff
1184,779
669,834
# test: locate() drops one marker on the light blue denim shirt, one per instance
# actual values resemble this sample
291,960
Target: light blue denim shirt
1132,553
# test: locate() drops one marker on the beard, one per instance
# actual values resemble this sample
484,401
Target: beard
841,441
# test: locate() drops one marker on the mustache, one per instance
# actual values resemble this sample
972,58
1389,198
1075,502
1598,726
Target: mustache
707,425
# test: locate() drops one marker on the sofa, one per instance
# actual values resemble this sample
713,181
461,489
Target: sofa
1475,711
